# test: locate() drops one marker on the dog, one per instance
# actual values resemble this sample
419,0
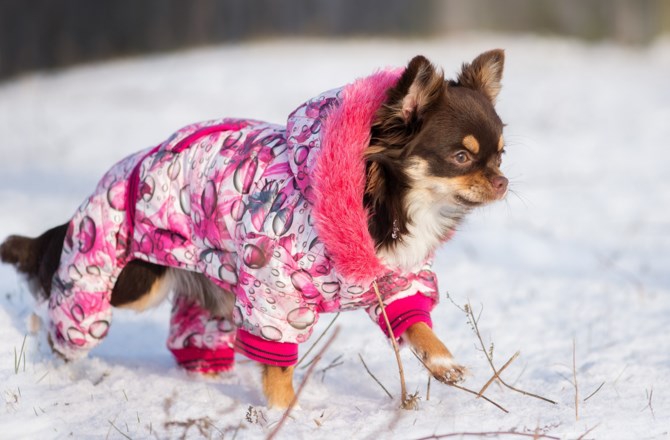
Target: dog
258,228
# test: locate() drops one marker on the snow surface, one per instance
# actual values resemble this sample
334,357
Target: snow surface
580,251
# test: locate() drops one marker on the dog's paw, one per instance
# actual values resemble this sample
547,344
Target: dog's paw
446,370
57,353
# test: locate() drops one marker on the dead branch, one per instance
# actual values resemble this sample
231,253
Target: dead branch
317,358
405,402
574,375
467,390
497,374
373,376
304,356
473,322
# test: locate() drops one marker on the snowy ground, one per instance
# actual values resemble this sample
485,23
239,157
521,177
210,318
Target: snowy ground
580,252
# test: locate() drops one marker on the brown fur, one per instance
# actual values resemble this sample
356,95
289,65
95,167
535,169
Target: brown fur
433,353
278,386
484,73
428,118
135,283
471,143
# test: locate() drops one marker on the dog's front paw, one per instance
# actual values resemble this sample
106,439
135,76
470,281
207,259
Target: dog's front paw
446,370
54,350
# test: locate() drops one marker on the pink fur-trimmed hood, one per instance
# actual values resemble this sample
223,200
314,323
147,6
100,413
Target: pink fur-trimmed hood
326,138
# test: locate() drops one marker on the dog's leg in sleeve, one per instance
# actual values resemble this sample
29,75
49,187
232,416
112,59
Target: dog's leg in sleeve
413,299
79,306
199,341
409,316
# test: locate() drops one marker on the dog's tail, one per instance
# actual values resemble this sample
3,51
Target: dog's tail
37,258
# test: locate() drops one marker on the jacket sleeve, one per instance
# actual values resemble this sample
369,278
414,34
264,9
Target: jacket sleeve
408,299
91,261
79,304
198,340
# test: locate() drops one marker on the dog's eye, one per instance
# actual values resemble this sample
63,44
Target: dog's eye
462,157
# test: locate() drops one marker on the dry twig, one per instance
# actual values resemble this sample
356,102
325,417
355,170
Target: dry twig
649,394
318,357
496,375
490,434
594,393
574,375
428,387
334,363
204,425
473,322
373,376
587,432
467,390
405,402
304,356
118,430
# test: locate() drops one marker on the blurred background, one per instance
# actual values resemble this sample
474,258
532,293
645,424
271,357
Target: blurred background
41,34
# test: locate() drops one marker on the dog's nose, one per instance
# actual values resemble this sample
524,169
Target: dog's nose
499,184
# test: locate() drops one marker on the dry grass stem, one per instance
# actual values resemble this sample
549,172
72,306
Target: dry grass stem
496,375
428,387
204,426
649,394
587,432
492,434
334,363
118,430
304,356
475,327
594,393
574,377
21,355
308,373
405,402
467,390
373,376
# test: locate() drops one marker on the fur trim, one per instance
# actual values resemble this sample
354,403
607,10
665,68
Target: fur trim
339,178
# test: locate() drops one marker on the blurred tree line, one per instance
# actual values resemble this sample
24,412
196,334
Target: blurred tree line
37,34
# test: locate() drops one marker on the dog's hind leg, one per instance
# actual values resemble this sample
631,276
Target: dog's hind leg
141,285
278,386
200,340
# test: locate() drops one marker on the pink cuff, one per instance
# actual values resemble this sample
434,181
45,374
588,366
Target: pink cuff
203,360
280,354
404,312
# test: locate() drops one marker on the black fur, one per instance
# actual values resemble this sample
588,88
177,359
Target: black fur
39,258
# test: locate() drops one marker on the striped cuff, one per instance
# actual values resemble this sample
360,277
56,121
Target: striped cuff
280,354
404,312
203,360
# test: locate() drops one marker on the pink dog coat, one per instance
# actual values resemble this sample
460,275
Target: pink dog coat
272,214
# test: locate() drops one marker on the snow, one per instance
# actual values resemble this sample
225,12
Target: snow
578,252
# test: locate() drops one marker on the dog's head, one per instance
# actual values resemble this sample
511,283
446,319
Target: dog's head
436,148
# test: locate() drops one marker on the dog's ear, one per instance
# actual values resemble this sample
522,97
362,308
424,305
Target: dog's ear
419,87
484,73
